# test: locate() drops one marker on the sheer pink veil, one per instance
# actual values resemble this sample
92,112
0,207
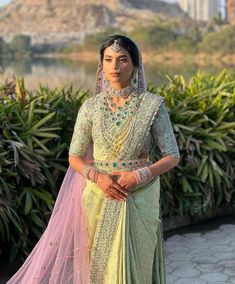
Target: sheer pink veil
61,255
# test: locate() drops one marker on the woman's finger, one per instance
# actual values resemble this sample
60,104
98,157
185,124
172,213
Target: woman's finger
117,194
114,197
117,187
126,186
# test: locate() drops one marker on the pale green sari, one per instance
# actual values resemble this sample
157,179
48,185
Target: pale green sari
125,238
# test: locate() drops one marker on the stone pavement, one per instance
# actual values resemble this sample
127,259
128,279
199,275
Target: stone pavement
201,254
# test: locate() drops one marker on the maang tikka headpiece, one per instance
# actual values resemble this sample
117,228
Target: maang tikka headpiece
115,46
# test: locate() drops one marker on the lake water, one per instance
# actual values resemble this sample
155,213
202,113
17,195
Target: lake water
59,73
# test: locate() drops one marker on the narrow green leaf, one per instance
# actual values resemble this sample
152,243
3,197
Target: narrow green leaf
42,122
31,113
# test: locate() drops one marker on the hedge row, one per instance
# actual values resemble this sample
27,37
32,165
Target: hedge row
36,128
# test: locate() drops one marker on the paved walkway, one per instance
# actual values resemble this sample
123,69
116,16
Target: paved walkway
199,254
203,256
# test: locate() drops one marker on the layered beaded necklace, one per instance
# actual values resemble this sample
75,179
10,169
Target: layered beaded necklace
117,114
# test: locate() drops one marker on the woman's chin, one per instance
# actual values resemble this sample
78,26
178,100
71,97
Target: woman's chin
115,81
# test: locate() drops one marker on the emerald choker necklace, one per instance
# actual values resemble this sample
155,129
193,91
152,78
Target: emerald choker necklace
124,92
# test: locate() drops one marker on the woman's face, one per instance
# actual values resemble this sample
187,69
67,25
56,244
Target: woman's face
118,67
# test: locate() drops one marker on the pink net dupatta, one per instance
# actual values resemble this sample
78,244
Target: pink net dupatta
61,255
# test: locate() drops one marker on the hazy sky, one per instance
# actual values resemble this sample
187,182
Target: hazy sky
2,2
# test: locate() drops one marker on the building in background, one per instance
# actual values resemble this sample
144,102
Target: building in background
230,11
200,10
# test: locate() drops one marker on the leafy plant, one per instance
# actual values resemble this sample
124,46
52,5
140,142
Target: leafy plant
203,117
35,130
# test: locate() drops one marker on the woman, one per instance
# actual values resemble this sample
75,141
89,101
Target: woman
105,226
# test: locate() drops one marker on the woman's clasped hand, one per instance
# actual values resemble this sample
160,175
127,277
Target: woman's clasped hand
117,184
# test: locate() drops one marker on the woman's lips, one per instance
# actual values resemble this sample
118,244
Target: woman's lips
115,74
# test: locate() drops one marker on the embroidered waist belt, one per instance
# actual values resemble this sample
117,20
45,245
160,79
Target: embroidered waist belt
121,165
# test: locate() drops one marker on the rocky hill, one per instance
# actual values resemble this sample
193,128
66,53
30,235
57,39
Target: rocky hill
51,21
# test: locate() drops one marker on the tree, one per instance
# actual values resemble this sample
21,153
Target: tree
21,44
223,40
2,45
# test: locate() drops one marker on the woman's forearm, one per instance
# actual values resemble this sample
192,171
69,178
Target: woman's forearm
77,163
163,165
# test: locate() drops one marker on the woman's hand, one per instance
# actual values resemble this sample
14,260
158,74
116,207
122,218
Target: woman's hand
126,180
111,188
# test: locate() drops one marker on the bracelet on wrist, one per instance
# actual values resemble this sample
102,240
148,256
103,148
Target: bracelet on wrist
90,173
143,175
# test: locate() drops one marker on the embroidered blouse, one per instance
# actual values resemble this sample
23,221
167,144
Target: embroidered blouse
149,126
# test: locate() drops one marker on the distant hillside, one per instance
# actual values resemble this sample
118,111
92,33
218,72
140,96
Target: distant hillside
55,21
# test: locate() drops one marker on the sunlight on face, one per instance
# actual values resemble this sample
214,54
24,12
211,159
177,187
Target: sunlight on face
118,67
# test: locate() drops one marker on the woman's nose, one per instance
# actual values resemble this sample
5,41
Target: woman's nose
116,65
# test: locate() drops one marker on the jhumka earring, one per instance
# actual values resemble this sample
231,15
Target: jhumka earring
106,82
115,46
134,79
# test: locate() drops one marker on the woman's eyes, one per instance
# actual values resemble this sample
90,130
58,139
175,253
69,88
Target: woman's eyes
123,60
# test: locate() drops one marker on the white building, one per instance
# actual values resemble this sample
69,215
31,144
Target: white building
201,10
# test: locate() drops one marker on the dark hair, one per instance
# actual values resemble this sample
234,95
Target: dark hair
124,42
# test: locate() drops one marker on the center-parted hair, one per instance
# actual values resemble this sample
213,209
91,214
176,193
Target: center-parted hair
125,43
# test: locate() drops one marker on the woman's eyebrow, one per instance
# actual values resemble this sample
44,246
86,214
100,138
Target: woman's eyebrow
123,55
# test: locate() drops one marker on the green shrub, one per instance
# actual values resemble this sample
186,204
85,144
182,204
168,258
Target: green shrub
35,130
203,117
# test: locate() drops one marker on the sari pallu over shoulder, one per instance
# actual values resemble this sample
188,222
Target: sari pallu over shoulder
138,129
149,106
